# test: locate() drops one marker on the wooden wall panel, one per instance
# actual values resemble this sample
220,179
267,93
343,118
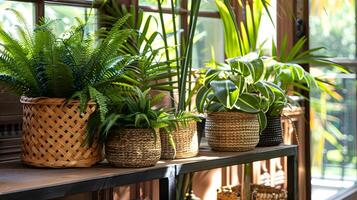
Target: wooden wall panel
10,126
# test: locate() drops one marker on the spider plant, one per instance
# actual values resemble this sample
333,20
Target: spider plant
135,109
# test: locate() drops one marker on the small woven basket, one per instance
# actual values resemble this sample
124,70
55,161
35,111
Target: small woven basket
258,192
185,139
232,131
272,134
54,134
133,148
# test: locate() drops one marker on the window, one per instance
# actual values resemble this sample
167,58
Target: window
65,10
68,16
9,19
333,125
207,43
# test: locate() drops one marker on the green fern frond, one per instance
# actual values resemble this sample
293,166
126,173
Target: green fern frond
101,101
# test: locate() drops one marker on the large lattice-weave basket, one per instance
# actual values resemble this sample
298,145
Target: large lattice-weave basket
185,139
54,134
232,131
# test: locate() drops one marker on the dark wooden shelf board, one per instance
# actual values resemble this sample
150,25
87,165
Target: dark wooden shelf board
21,182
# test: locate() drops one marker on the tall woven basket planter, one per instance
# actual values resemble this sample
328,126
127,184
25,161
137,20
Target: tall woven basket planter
54,134
133,148
185,139
272,134
232,131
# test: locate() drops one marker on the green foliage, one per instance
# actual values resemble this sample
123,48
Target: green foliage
285,70
239,87
241,37
76,66
184,67
147,71
135,110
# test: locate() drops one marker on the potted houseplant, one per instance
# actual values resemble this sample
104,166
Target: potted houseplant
131,131
185,138
236,100
272,134
284,70
285,75
61,81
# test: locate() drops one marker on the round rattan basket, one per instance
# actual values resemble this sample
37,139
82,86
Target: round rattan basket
185,139
53,134
232,131
258,192
133,148
272,134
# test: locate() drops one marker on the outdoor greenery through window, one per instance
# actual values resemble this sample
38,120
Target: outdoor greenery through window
67,16
333,116
9,20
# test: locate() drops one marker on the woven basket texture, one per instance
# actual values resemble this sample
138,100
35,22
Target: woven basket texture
54,134
232,131
272,134
258,192
133,148
185,139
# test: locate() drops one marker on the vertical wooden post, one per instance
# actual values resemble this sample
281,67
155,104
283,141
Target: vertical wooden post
246,181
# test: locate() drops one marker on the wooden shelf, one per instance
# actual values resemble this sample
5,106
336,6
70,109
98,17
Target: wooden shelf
21,182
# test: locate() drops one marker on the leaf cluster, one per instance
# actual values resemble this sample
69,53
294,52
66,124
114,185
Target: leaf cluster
240,86
76,66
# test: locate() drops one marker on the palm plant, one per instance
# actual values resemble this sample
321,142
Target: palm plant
78,66
148,70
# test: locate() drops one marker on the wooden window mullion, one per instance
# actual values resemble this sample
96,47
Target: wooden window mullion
39,10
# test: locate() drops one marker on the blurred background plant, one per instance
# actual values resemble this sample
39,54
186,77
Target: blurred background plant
333,120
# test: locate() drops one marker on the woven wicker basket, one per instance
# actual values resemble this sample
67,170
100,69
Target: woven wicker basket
54,132
186,142
272,134
232,131
258,192
133,148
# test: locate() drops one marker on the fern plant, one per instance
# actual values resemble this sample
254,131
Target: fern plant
76,66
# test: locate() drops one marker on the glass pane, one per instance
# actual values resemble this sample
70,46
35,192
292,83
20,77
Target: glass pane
9,21
333,135
208,42
165,3
333,119
267,30
68,16
156,26
206,5
332,25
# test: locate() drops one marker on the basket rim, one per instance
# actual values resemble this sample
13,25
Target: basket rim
121,128
235,113
50,101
